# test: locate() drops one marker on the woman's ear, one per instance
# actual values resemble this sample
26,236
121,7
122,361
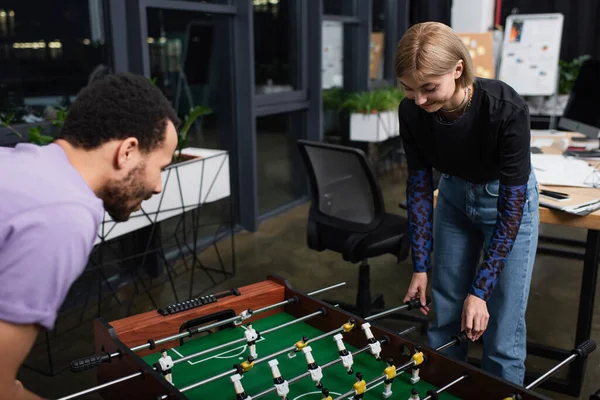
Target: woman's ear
458,70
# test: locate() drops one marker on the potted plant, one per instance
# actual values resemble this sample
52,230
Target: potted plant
374,114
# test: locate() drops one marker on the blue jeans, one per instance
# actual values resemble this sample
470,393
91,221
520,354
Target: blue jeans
464,219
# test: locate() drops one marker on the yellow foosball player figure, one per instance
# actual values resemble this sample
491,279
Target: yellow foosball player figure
418,357
359,386
245,366
300,344
326,395
390,374
348,326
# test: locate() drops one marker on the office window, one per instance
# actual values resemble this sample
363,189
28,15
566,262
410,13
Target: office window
210,1
281,177
191,60
187,54
277,51
338,7
48,52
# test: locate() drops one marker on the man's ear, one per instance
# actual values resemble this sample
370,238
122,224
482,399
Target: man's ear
127,150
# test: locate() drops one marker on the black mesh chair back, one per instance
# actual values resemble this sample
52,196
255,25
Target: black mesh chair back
345,191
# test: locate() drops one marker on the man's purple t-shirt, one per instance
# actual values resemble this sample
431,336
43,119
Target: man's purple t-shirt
49,218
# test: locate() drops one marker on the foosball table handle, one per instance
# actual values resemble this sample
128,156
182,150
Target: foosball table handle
416,303
460,338
585,348
90,362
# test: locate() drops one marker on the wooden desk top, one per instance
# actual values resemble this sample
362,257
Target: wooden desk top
556,217
549,216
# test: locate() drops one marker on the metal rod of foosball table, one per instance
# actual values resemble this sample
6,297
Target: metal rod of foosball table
409,305
324,366
241,340
449,385
104,385
583,350
228,320
337,285
207,327
307,373
378,379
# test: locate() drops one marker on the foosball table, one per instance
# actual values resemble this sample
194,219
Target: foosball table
267,340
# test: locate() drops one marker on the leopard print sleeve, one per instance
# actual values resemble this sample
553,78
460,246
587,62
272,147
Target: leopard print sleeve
511,203
419,199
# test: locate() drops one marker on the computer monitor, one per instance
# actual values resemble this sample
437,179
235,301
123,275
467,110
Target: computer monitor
582,113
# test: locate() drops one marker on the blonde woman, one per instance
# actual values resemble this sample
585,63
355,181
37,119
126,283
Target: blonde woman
475,132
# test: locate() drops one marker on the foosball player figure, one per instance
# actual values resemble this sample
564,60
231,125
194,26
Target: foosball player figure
166,364
374,345
414,394
359,386
316,374
240,393
245,366
244,315
418,357
326,395
348,326
345,355
300,344
251,336
390,374
280,384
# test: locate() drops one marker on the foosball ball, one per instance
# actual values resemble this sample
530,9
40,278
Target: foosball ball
267,340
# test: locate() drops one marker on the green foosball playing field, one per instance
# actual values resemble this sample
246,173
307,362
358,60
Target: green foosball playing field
260,377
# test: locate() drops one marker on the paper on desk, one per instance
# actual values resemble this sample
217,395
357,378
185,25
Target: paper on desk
545,132
556,169
542,142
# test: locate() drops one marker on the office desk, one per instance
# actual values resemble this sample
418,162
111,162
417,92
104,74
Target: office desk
591,257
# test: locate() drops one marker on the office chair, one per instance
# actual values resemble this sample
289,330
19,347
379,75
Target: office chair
347,215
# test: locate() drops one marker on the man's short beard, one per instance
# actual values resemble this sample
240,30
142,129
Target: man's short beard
118,195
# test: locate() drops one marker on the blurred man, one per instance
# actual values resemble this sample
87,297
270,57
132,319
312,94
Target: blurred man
120,133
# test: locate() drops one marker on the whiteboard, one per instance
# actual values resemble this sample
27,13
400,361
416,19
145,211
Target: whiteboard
332,69
530,53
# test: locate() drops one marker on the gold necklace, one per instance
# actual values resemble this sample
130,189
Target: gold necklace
459,106
467,93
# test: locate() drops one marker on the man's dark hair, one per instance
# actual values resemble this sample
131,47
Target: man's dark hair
116,107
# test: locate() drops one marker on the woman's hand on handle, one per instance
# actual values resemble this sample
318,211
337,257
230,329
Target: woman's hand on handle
417,289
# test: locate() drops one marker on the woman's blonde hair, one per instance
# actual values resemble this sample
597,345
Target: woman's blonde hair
432,48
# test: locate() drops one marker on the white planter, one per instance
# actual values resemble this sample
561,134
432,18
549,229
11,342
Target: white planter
376,127
186,185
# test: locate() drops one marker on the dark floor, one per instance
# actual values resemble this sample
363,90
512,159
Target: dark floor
279,247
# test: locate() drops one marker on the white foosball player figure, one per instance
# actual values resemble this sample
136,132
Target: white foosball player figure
166,364
280,384
244,315
316,374
251,336
415,376
374,344
240,393
414,394
345,355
